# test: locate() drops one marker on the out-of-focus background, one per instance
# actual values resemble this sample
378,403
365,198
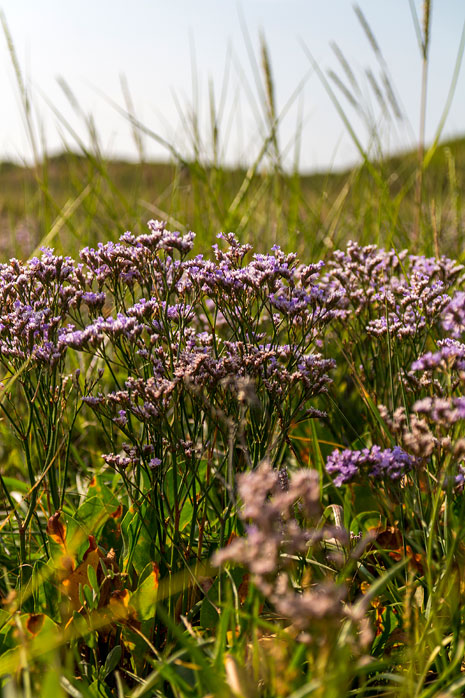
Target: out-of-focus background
274,118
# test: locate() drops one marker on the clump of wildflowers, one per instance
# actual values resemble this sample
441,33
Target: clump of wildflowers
405,293
412,431
442,411
450,356
213,367
211,339
453,317
35,299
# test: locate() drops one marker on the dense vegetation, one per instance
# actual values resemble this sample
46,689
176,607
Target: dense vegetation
166,414
233,463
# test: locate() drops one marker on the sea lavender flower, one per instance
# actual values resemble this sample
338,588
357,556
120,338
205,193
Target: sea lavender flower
236,252
121,420
269,509
274,536
408,308
451,355
48,353
143,308
442,411
453,316
95,301
349,465
360,272
411,431
94,400
35,298
442,269
322,603
400,294
161,239
117,461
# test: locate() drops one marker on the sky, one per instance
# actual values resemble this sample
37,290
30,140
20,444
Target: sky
178,57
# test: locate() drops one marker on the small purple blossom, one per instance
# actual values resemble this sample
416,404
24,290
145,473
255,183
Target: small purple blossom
121,420
348,465
95,301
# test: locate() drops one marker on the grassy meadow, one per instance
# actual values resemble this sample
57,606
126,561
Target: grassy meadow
81,198
233,465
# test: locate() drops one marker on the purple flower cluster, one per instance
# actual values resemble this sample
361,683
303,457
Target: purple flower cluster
409,308
279,512
35,298
218,336
218,331
401,295
442,411
273,288
453,317
362,271
451,355
378,464
137,259
93,334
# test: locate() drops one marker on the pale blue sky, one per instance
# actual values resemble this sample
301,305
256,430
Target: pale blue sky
91,43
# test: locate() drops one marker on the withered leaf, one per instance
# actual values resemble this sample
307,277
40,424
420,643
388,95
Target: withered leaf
35,622
56,529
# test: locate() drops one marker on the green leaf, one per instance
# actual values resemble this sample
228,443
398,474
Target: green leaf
138,531
50,685
93,514
47,595
13,484
186,515
88,596
366,520
100,690
144,599
217,595
112,661
92,576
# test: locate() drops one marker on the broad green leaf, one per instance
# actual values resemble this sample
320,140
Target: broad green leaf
138,531
145,597
93,514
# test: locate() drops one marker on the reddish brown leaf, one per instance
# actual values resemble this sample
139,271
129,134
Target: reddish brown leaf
79,576
56,529
155,574
35,622
120,607
117,514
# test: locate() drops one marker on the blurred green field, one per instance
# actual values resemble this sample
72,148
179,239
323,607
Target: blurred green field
79,197
84,199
